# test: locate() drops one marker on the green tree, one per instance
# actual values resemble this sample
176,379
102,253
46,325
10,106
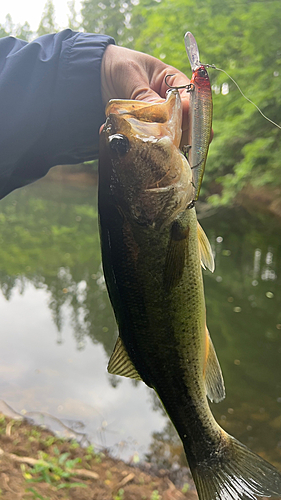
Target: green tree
110,17
22,31
47,23
3,31
73,23
242,38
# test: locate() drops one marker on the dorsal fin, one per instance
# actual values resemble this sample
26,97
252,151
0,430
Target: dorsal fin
206,254
213,375
120,363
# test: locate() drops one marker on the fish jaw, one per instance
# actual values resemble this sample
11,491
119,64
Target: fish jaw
146,173
157,119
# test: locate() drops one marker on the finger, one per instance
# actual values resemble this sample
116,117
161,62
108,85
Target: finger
143,93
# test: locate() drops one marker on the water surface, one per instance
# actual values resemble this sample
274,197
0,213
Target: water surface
58,329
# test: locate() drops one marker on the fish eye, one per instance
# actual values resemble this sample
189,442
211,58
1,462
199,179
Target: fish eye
119,143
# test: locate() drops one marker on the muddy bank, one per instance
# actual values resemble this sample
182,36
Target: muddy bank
35,464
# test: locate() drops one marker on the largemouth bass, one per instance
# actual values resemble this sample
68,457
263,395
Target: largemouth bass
152,251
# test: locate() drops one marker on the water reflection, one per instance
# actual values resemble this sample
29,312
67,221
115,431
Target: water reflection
53,292
244,315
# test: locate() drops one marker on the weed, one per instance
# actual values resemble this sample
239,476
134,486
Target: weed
49,441
108,474
74,445
36,494
56,471
2,424
36,434
90,453
120,495
98,458
185,488
155,495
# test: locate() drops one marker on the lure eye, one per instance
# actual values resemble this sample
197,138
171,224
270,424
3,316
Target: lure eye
119,143
202,72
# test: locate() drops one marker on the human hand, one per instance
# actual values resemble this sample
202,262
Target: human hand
127,74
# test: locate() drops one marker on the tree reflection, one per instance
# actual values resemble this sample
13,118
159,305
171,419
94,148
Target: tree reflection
50,239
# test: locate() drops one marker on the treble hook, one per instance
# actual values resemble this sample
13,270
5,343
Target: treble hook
189,87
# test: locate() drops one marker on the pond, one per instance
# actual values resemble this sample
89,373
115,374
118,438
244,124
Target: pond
58,329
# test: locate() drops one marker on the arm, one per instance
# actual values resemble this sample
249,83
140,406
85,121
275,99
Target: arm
52,97
50,104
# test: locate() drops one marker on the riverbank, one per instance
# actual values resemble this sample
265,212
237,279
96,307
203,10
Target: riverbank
35,464
263,199
260,198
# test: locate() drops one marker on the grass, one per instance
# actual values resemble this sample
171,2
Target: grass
56,470
38,465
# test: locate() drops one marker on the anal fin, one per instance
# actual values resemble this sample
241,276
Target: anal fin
213,375
120,363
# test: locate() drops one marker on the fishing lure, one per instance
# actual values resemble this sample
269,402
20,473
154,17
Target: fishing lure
201,113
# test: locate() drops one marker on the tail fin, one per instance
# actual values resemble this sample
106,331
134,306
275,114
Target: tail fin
238,474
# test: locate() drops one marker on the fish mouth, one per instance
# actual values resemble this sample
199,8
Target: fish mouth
151,121
147,174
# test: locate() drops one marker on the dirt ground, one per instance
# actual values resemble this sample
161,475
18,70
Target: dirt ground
35,464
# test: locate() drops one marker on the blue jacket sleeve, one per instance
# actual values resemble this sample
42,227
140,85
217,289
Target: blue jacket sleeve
50,104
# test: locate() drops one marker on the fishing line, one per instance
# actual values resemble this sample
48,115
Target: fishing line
242,93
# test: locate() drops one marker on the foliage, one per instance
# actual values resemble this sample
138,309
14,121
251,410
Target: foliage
73,23
243,39
22,31
111,17
240,37
120,495
47,23
57,470
155,495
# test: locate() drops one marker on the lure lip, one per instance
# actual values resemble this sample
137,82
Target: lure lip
192,51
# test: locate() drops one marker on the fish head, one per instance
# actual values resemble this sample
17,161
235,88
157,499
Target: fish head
140,164
200,77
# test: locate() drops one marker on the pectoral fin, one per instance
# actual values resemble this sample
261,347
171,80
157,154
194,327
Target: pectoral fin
176,254
206,254
120,363
213,375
